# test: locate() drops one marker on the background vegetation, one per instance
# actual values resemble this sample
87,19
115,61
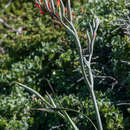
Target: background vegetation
34,50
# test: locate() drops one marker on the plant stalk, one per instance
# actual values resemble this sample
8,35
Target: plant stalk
99,122
88,82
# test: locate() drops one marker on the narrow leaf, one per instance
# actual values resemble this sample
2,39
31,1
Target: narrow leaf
69,11
34,92
53,6
51,99
62,8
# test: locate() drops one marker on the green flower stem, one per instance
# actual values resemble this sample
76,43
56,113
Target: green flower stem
99,122
88,82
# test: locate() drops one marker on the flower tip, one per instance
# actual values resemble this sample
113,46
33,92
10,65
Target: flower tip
58,3
37,5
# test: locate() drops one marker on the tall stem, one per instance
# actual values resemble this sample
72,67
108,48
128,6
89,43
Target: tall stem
89,83
99,122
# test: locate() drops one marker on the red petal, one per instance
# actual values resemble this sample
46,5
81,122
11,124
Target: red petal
49,6
42,12
57,14
58,3
38,5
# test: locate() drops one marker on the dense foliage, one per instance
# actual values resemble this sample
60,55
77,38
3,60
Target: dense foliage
42,51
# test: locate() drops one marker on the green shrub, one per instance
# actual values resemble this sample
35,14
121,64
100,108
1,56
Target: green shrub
43,52
14,109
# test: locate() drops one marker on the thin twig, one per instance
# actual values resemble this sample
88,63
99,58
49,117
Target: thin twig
18,31
57,127
6,6
122,104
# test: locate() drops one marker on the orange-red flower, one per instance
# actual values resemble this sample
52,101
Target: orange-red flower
38,5
49,6
42,12
58,3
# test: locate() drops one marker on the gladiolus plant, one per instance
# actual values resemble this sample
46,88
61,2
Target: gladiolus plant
64,16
